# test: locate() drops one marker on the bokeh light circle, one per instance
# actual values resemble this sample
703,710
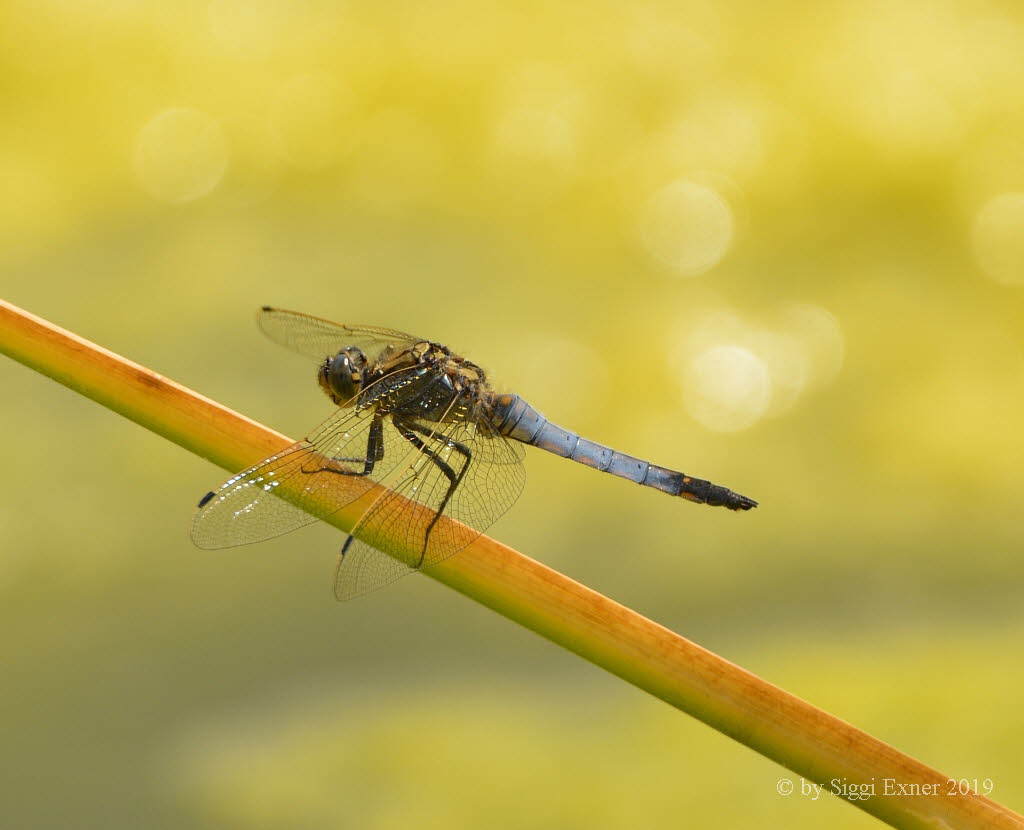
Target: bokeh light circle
727,388
787,364
687,226
537,133
820,337
998,238
180,155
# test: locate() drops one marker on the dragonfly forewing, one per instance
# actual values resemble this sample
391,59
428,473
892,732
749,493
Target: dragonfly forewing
340,462
317,338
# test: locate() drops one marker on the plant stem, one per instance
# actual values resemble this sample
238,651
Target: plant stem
810,742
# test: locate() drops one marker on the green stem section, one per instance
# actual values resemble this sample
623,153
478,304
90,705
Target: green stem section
780,726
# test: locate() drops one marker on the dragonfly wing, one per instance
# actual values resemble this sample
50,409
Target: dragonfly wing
319,476
317,338
398,533
244,509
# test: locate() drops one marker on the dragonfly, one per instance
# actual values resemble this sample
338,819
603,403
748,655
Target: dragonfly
423,436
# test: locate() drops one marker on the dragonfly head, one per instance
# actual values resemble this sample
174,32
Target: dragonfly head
341,376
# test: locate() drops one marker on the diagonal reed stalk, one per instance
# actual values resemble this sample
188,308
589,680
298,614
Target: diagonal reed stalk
810,742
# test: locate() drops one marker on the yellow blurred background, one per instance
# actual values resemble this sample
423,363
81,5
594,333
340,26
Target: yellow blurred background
778,246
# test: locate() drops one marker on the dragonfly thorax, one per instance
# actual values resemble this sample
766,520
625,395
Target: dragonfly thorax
341,377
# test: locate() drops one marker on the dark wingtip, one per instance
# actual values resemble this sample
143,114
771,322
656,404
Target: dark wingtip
266,308
205,498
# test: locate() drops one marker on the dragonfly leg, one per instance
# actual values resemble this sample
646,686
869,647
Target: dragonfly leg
374,453
407,428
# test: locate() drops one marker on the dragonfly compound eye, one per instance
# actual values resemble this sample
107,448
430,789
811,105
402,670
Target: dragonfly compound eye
342,376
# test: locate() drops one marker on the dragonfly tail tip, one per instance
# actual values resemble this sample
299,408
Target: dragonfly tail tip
742,503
